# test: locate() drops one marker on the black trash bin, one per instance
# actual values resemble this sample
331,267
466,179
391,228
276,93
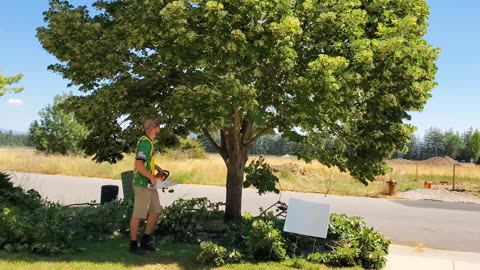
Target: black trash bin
109,193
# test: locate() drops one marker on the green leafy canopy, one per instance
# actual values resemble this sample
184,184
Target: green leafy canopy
57,131
7,81
475,146
343,71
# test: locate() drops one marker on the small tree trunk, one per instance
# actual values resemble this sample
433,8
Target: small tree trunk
235,145
235,172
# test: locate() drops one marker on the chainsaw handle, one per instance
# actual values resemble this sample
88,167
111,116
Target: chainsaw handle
165,174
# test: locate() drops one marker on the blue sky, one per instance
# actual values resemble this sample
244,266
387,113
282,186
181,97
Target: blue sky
454,27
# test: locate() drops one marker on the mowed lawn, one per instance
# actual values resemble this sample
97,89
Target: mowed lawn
113,255
295,175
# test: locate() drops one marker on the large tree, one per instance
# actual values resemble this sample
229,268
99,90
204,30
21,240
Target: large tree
57,131
475,146
466,153
433,143
414,148
452,144
347,70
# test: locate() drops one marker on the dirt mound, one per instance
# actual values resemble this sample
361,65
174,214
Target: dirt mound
439,161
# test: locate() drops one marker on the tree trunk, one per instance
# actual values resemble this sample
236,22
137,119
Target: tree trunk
235,172
235,145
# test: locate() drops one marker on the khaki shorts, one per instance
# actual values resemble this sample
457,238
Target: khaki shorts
146,202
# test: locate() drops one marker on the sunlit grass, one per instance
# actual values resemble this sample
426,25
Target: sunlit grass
295,175
113,255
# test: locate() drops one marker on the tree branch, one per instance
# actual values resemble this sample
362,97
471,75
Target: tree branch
254,138
219,149
236,129
223,141
246,131
210,139
335,129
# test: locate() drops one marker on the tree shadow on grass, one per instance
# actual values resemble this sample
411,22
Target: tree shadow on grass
116,252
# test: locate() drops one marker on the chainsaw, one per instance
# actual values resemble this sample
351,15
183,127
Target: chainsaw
163,183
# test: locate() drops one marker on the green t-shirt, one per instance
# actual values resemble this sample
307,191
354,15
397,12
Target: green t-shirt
144,152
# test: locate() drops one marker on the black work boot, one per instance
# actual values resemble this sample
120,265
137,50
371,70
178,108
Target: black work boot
147,243
135,249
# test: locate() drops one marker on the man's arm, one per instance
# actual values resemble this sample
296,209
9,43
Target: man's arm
141,169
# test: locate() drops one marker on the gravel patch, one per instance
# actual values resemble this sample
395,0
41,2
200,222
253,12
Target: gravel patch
439,195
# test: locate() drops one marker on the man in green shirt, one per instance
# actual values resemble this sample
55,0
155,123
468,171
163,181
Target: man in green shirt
146,203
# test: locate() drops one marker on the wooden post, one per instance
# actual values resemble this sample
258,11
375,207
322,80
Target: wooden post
416,173
454,176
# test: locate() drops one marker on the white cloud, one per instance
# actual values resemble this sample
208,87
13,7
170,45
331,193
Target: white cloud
15,102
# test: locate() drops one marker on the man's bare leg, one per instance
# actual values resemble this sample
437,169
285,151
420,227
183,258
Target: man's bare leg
151,222
134,224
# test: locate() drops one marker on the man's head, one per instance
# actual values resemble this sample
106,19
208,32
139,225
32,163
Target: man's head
152,127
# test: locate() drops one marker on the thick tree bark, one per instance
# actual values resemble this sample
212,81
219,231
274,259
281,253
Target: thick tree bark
235,144
235,172
232,138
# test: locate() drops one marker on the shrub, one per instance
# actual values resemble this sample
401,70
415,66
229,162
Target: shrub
16,196
264,242
340,257
57,228
350,241
27,222
193,148
13,228
97,222
373,249
184,218
187,149
342,227
356,244
258,238
214,254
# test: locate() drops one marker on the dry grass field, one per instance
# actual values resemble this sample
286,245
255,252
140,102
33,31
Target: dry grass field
294,175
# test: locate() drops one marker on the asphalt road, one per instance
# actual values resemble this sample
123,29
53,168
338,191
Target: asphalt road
437,225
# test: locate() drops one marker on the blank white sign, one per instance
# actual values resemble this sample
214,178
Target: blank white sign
307,218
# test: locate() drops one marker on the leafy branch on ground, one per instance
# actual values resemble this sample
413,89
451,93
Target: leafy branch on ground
255,238
349,243
56,228
183,219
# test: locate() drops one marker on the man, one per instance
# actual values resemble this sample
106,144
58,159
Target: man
147,202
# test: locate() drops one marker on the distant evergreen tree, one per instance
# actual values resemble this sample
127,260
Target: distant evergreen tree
465,152
432,145
9,138
453,144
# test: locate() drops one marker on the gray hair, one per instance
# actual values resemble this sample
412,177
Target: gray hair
151,123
